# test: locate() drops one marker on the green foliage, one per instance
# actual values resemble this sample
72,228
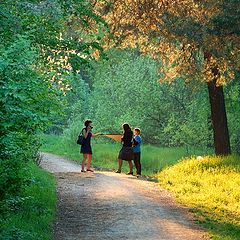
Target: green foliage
23,89
126,88
232,96
24,99
29,215
77,96
46,46
57,27
211,187
41,44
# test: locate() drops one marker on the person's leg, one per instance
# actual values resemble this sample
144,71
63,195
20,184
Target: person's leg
84,161
89,157
130,167
119,165
135,159
139,164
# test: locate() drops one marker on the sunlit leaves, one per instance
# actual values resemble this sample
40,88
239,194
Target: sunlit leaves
175,30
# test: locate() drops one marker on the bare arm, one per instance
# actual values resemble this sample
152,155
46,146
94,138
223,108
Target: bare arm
96,134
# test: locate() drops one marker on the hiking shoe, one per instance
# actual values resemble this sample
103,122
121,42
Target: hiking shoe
90,170
118,171
130,173
82,171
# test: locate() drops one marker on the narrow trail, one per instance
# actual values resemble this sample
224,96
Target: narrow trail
106,205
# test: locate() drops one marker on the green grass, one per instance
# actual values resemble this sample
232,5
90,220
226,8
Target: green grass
105,155
210,186
30,215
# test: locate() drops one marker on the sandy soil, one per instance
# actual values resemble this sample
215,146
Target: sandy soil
106,205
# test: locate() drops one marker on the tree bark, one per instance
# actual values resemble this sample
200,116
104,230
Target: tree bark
219,119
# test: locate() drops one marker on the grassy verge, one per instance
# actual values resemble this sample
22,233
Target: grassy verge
30,215
211,186
105,154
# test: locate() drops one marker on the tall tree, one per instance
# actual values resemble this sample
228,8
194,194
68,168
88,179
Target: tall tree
40,43
181,34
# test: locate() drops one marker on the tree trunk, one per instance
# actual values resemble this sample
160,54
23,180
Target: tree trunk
219,119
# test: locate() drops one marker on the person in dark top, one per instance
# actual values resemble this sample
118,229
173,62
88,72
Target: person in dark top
86,148
126,152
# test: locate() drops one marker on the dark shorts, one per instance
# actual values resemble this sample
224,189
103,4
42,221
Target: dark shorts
86,149
126,153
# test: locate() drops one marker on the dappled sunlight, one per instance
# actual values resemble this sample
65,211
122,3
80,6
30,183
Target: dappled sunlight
146,208
117,205
112,188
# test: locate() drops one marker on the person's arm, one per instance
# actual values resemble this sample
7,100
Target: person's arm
96,134
124,137
85,133
135,142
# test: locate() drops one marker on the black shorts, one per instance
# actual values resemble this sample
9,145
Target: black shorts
86,149
126,153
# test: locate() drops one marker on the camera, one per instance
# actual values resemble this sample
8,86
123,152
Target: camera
90,127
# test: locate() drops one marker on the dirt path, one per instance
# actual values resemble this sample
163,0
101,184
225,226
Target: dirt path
106,205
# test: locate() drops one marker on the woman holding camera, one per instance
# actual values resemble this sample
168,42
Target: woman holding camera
86,148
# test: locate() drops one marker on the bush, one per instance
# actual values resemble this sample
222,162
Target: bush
29,214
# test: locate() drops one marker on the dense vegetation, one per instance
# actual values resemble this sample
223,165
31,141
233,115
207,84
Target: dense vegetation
197,40
60,64
30,214
126,88
37,49
24,107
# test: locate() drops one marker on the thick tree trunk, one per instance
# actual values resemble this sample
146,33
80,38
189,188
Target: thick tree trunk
219,119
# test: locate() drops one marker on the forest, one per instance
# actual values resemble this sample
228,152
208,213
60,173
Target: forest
171,68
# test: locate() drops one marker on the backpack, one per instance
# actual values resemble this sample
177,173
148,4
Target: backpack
80,138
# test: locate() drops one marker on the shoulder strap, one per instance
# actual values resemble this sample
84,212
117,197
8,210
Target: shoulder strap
81,132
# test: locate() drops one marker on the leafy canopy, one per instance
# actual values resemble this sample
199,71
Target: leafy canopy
191,37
